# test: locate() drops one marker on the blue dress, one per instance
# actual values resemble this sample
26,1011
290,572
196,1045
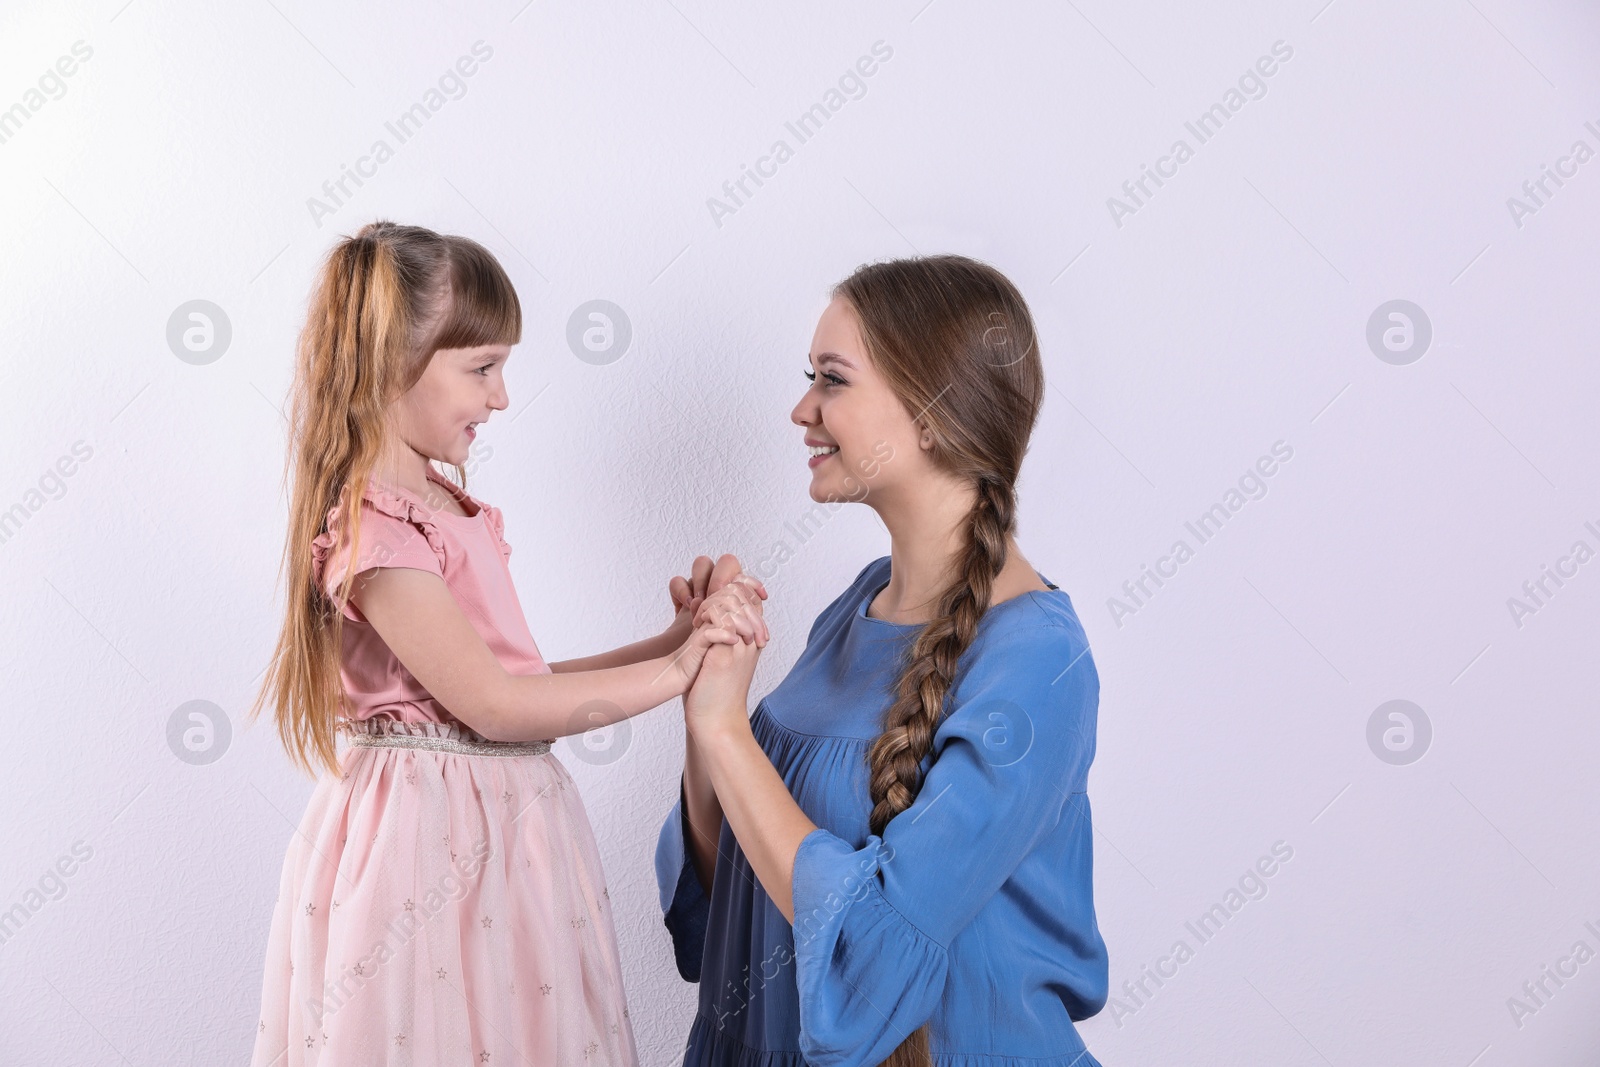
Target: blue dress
974,912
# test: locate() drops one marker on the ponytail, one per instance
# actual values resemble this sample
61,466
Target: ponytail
385,300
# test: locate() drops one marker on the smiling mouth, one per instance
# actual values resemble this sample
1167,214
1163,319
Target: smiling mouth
822,450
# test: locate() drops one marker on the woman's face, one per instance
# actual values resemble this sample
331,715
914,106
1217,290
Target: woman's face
853,420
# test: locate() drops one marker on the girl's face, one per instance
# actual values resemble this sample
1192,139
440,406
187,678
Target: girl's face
853,420
440,414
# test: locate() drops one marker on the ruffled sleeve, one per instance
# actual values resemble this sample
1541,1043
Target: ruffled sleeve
497,526
873,925
684,906
394,532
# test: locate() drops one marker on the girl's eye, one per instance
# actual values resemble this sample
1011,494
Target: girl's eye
830,377
484,370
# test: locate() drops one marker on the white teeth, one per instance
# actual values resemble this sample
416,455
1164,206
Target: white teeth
823,450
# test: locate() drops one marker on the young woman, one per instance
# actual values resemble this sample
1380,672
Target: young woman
891,859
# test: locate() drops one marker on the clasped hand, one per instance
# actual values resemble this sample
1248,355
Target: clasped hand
718,659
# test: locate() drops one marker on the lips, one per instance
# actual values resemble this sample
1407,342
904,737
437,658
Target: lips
820,453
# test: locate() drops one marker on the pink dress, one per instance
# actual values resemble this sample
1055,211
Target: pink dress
436,907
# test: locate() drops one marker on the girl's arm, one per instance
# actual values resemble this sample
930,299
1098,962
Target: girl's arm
687,593
417,617
662,644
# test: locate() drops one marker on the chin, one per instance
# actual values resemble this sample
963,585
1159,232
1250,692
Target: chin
824,492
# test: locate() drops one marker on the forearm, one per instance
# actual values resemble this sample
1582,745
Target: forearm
758,807
533,707
703,812
662,644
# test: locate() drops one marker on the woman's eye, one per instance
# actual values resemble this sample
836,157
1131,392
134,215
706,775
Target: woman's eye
811,375
829,377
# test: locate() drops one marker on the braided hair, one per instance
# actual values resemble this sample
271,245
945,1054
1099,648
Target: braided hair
956,342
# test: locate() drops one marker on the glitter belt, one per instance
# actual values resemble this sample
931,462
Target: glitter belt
454,738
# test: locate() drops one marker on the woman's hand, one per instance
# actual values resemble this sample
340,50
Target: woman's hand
737,603
730,616
688,594
719,699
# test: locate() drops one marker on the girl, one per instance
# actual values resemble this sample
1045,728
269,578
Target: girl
442,901
891,861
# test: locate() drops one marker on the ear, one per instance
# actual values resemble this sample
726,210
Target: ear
926,440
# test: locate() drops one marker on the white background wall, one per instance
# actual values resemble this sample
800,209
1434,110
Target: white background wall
1227,313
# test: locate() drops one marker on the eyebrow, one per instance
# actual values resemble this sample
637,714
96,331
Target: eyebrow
833,357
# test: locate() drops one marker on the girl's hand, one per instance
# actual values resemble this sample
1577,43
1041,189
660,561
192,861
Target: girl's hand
687,595
683,623
695,587
719,699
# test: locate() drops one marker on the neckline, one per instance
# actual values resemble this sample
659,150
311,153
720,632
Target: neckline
443,513
459,496
874,589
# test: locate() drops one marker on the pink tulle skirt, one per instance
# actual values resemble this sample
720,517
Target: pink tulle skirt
438,907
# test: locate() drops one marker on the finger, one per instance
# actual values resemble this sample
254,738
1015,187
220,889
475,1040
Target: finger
700,572
678,588
732,597
754,583
756,627
717,635
720,614
742,622
727,566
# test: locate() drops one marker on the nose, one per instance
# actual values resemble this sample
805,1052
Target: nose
498,400
806,413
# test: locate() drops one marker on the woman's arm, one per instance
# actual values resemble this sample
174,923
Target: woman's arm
754,799
873,922
416,615
701,809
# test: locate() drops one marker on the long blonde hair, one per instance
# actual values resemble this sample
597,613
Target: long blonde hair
955,341
386,300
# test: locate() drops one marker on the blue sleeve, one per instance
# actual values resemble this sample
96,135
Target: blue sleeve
683,902
873,925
